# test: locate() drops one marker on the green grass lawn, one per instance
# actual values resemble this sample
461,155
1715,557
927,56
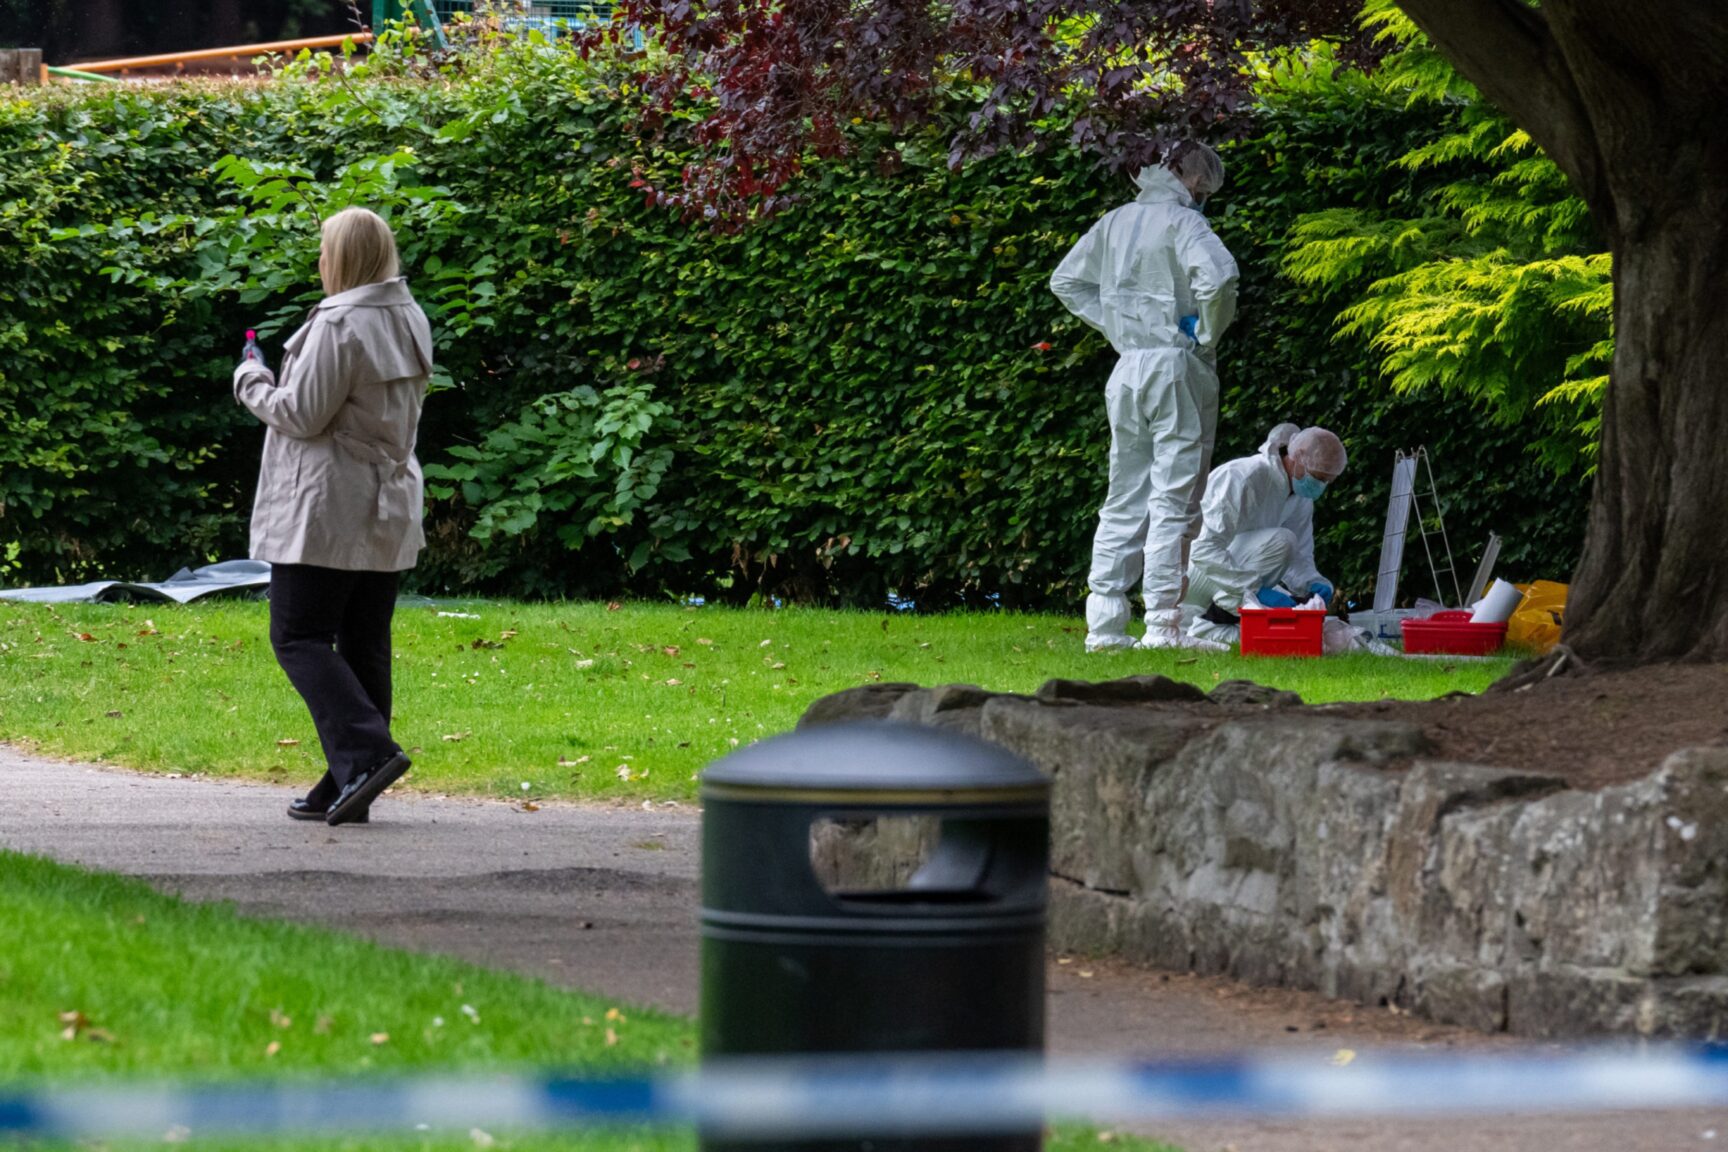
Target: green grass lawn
102,977
152,987
571,700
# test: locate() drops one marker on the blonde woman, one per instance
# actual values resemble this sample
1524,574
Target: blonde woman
339,503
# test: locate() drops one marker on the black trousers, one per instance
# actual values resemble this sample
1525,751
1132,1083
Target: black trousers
331,633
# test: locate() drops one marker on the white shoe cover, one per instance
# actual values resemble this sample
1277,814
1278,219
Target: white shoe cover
1108,643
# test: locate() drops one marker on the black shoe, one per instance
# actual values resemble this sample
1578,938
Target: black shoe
300,810
359,793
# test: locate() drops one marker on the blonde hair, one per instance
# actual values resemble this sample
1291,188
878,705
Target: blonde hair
359,249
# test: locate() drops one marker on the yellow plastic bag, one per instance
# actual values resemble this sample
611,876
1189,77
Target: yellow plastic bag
1536,624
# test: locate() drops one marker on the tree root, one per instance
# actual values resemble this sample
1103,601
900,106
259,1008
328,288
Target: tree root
1561,660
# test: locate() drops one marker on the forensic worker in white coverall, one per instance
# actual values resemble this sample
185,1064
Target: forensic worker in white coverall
1257,531
1153,277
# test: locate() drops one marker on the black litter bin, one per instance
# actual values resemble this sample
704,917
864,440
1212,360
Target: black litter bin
952,961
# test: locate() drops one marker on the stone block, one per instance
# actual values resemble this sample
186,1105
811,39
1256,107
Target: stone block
1100,761
1292,846
1126,690
1247,694
865,702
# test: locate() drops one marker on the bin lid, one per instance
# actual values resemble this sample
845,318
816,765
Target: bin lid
876,762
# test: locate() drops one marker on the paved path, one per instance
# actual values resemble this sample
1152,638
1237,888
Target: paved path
604,899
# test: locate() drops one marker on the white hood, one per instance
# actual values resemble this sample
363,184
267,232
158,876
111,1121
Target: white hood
1158,184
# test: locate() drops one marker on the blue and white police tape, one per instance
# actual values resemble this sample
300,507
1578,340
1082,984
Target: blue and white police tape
889,1096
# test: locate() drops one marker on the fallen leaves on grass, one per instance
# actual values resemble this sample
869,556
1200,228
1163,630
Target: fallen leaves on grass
380,1038
287,743
78,1025
671,650
614,606
455,737
272,1048
564,763
321,1026
281,1019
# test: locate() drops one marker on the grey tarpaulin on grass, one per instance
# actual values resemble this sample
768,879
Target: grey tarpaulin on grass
184,586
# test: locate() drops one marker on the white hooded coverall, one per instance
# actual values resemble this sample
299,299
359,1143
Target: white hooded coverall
1254,532
1133,277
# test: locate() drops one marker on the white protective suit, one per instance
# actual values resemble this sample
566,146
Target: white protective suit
1254,532
1133,277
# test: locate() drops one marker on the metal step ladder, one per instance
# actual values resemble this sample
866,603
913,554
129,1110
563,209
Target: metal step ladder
1414,494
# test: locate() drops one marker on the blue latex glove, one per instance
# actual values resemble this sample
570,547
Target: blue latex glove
1321,589
1189,326
1275,598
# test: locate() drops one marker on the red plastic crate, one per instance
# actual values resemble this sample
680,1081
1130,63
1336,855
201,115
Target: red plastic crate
1282,631
1451,633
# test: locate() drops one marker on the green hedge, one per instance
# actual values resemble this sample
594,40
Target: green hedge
848,400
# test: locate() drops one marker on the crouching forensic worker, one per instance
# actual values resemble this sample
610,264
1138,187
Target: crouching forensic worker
339,503
1257,531
1153,277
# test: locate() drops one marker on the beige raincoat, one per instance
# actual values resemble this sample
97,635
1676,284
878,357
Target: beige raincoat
339,487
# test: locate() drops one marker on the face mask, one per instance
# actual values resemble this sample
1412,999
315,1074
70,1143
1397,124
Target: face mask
1307,487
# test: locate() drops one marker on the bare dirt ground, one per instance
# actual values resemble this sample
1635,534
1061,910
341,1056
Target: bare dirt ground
1592,731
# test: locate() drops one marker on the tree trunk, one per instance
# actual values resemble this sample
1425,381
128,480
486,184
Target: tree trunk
1653,582
1628,100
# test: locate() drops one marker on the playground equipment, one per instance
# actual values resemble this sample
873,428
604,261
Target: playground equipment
100,68
549,16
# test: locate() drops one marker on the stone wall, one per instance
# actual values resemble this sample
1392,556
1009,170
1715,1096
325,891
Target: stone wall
1243,834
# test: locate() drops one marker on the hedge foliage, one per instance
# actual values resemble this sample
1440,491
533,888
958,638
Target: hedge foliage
872,393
